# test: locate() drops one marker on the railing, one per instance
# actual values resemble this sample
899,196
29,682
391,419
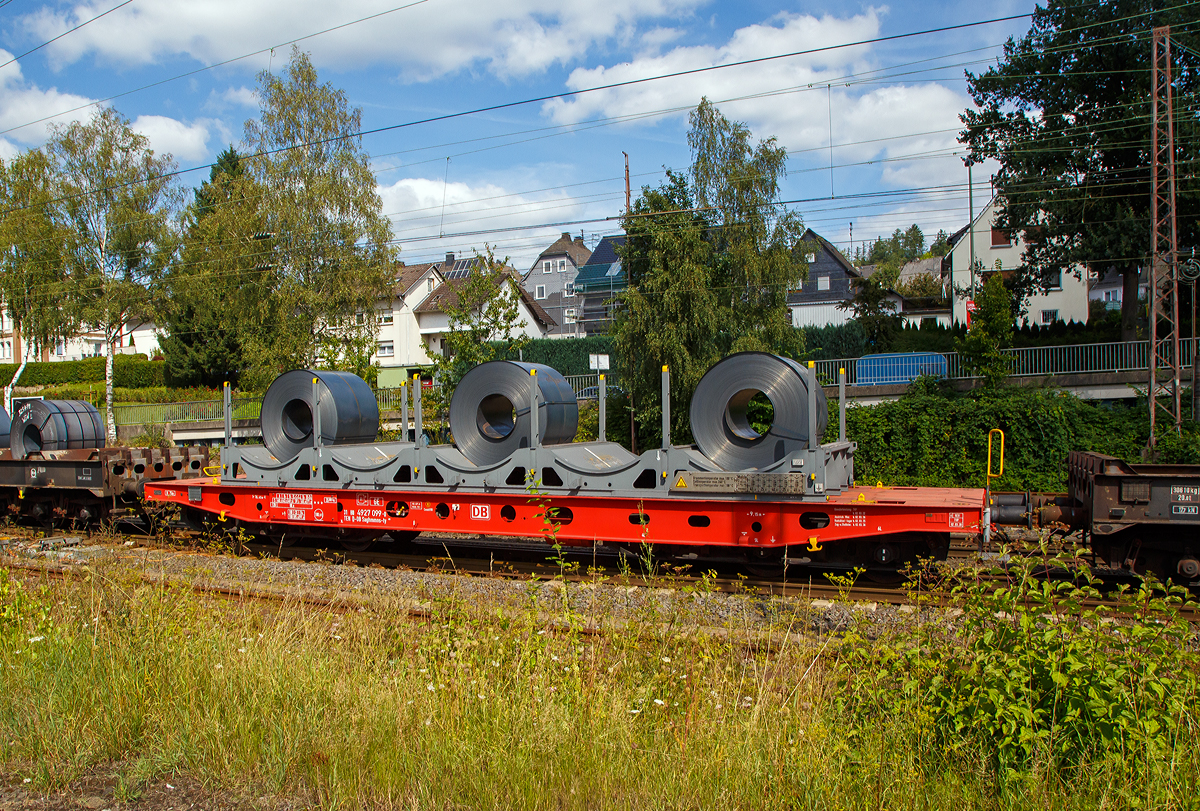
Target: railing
1033,361
196,411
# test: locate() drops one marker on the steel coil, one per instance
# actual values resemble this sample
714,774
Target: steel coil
5,428
55,425
720,423
489,412
349,411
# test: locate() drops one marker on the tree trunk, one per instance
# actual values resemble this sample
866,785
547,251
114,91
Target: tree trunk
1131,307
108,393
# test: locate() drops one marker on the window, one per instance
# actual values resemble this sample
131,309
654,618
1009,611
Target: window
429,288
822,282
1053,279
1000,239
570,291
562,265
810,258
539,292
1049,316
386,317
569,315
547,266
929,321
386,349
360,318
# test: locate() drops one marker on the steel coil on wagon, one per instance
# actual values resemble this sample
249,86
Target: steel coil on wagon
349,411
720,408
55,425
490,409
5,427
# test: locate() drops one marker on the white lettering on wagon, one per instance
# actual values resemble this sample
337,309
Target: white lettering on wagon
291,499
849,517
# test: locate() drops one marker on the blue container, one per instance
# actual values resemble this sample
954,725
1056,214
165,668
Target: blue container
898,367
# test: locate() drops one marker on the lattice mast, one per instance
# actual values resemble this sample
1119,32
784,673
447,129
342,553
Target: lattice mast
1164,389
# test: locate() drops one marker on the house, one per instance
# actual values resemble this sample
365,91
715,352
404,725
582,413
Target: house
1066,296
138,338
598,283
433,322
400,348
1108,287
830,283
551,282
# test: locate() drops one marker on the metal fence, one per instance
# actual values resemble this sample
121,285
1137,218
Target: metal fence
196,411
1031,361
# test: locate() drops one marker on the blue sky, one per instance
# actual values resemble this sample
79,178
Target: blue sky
892,108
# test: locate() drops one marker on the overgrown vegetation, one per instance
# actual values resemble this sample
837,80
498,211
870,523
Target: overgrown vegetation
1027,700
935,437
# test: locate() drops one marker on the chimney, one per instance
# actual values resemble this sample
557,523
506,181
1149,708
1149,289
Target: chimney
449,259
566,236
579,240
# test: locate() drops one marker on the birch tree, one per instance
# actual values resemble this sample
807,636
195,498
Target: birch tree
116,196
333,257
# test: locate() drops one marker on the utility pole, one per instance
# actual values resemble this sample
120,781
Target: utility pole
1164,357
971,214
627,204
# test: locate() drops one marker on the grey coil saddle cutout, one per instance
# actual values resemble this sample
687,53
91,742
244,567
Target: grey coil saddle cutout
720,422
349,412
489,413
55,425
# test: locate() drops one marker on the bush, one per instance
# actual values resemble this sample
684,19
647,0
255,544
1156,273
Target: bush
1035,676
129,371
568,355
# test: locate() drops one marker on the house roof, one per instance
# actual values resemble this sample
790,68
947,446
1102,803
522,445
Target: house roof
606,251
596,277
812,236
573,248
447,294
408,275
920,267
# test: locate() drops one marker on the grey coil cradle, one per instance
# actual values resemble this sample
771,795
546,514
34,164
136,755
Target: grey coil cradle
349,412
5,428
720,424
55,425
489,412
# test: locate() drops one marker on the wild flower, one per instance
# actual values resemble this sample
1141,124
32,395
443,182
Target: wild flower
659,702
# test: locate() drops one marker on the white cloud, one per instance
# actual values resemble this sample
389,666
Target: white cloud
8,150
182,141
513,38
22,102
419,218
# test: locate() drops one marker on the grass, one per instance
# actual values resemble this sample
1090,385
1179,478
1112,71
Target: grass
478,709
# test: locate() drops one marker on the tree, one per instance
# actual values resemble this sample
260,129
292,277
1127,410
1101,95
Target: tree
875,312
33,244
332,254
941,244
119,202
220,280
710,257
1066,113
991,331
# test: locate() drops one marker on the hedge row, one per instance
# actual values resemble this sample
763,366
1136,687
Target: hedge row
129,371
568,355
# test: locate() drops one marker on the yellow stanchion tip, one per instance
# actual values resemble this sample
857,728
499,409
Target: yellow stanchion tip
664,367
812,363
533,372
601,377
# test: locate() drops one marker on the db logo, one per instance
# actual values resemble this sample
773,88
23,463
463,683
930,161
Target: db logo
483,512
318,515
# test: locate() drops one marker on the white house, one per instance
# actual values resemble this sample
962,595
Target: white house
135,339
400,347
1065,300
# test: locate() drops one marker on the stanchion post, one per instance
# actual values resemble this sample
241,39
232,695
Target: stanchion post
603,398
533,420
814,441
666,408
404,409
316,412
228,417
841,405
420,431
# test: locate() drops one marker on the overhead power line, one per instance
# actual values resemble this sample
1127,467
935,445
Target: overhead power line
64,33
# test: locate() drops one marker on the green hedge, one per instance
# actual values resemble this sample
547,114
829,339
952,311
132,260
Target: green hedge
568,355
129,371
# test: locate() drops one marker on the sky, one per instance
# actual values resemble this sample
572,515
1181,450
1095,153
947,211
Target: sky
870,129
